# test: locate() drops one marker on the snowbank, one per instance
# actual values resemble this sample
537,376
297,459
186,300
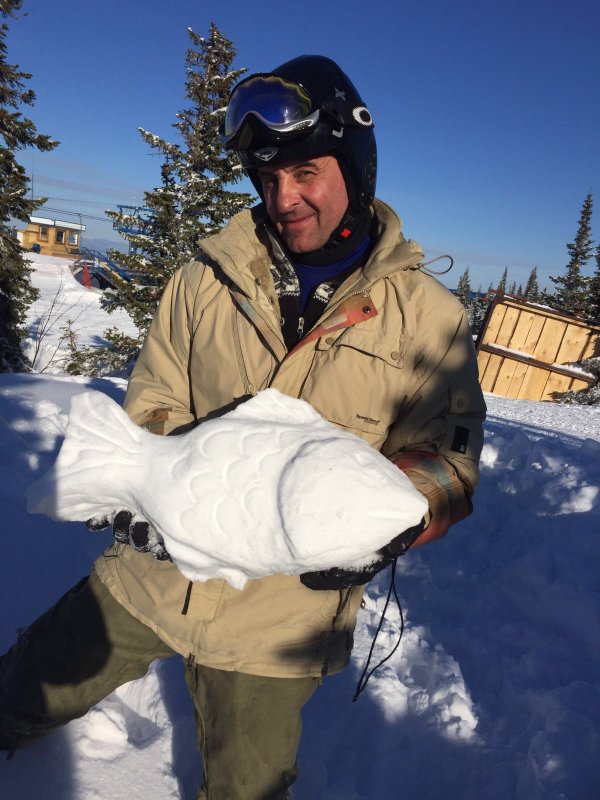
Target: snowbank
494,692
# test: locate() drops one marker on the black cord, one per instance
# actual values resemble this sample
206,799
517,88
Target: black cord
364,678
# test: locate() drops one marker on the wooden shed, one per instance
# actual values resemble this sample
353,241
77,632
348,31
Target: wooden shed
524,350
52,237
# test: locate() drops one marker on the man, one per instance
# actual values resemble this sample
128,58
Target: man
316,293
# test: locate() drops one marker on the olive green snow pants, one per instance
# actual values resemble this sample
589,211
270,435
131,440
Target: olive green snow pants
87,645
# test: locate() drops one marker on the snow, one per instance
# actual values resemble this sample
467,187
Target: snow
277,488
493,693
62,301
570,368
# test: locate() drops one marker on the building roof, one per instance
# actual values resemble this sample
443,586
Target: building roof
57,223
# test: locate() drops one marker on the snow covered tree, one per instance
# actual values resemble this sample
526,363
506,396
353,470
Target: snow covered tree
16,133
463,290
532,289
591,395
572,288
502,285
478,311
475,306
594,294
192,202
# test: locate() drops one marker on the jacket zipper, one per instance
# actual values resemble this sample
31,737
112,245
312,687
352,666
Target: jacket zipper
300,330
248,387
365,292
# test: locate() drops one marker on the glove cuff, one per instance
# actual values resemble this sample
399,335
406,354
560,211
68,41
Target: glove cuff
436,480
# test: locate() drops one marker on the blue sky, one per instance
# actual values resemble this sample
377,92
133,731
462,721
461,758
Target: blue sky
486,113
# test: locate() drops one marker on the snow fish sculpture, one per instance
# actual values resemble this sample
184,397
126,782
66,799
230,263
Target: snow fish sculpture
269,487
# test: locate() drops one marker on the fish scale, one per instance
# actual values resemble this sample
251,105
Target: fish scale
268,487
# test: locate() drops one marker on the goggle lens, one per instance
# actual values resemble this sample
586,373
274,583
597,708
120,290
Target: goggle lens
280,105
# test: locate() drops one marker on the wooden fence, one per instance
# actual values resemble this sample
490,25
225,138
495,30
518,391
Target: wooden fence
524,350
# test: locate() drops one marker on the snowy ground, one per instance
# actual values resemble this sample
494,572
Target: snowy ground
62,301
494,693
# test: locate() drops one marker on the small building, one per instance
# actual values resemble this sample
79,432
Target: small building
52,237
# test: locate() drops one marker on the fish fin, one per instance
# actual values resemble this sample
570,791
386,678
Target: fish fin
96,463
271,404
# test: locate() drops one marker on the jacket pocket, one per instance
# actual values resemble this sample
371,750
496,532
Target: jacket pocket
358,381
364,339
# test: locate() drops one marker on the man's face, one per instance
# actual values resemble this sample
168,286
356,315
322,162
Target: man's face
305,200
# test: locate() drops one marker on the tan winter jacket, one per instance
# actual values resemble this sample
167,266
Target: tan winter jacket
390,360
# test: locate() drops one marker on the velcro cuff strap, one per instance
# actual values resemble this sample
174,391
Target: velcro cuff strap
436,480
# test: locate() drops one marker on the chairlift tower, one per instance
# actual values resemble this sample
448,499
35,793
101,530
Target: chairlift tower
140,219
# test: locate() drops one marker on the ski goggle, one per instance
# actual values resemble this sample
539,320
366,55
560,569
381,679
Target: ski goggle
281,106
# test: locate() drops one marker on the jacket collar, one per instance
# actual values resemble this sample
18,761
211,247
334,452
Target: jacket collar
391,249
244,250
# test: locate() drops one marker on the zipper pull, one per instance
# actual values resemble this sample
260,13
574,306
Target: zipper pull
189,663
300,329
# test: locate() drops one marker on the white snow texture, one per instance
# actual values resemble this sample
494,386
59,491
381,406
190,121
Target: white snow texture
493,694
269,487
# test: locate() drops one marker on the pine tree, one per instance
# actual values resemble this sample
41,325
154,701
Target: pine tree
479,309
513,288
591,395
475,306
463,290
572,292
464,294
17,132
502,285
593,309
532,289
191,203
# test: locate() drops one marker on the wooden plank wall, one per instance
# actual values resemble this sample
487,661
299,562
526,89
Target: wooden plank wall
523,350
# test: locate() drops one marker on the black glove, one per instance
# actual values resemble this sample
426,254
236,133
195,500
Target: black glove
337,578
136,532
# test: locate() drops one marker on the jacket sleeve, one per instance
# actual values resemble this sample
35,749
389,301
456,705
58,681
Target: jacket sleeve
158,394
437,441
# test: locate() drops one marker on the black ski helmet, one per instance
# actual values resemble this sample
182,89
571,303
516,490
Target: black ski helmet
305,108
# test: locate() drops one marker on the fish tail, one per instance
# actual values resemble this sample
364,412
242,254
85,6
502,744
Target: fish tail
97,465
